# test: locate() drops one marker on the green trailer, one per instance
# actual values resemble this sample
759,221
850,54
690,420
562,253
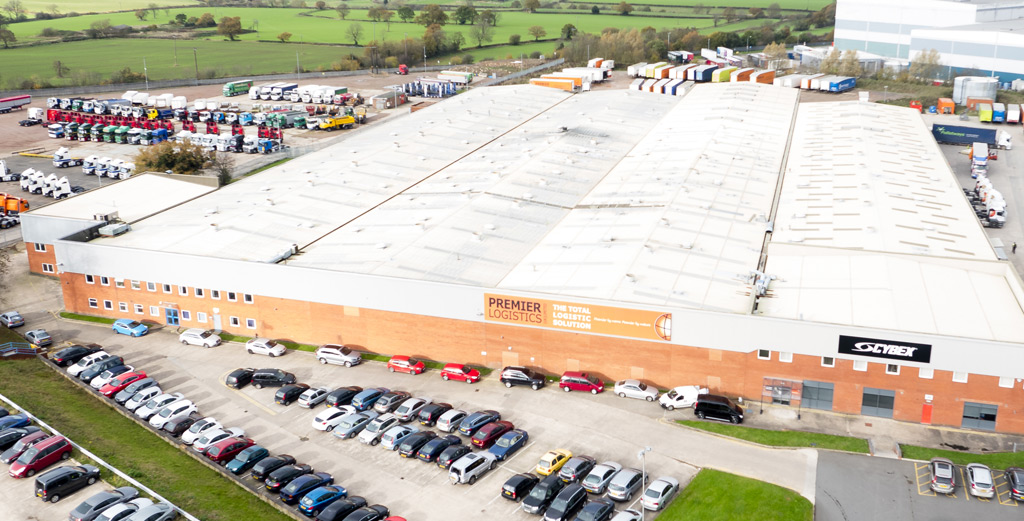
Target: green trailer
235,88
84,132
97,132
985,112
121,135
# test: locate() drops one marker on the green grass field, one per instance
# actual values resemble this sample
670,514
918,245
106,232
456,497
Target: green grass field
717,496
996,460
782,438
92,6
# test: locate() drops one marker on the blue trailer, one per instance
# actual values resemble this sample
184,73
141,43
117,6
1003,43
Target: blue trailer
842,84
959,135
998,113
704,72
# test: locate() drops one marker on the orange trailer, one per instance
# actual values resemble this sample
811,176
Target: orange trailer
565,84
946,106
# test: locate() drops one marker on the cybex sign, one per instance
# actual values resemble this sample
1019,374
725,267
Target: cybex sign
876,348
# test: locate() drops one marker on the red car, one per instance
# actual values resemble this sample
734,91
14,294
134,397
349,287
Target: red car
577,381
120,382
460,372
225,450
488,434
404,364
40,456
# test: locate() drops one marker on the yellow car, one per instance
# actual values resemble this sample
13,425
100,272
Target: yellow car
552,461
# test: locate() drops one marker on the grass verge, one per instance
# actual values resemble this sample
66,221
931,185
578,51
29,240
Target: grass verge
86,318
128,446
996,460
715,495
782,438
279,162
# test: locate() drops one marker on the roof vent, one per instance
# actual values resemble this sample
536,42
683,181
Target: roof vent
381,245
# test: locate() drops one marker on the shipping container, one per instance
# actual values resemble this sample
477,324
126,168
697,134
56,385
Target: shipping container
741,74
998,113
659,88
946,106
1013,113
805,83
972,103
561,83
703,73
842,84
763,77
985,112
637,84
722,75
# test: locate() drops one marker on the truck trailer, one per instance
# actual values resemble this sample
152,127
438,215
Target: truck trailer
960,135
998,113
14,102
234,88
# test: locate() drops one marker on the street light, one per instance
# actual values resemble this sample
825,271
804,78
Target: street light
642,456
886,98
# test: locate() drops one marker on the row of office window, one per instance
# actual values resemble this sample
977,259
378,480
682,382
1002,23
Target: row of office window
183,291
893,369
183,315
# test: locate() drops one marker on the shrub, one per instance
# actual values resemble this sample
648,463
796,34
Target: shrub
455,60
535,54
467,59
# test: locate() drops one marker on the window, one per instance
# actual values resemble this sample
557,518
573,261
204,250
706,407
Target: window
232,297
200,317
139,310
136,286
926,373
247,298
233,321
215,294
786,357
860,365
105,281
167,288
118,283
877,402
47,268
764,354
122,307
828,361
154,311
183,291
89,279
979,416
1006,381
250,323
151,286
199,292
960,377
892,369
39,247
107,304
818,395
93,303
186,315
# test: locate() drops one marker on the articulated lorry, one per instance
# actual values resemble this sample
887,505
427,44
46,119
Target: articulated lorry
236,88
14,102
960,135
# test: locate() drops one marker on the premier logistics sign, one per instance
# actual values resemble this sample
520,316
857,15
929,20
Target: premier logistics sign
581,318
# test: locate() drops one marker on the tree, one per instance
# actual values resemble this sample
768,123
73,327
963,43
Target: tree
141,14
698,8
206,20
406,13
320,5
60,68
386,16
98,28
432,15
830,63
568,31
180,19
926,64
776,53
465,14
230,26
756,12
774,11
514,39
15,9
624,8
153,8
850,64
373,13
595,10
729,14
180,158
433,40
354,30
342,10
482,32
284,37
531,5
490,17
7,37
53,9
537,32
824,17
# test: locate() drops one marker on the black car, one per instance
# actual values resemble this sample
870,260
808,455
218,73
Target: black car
519,486
452,453
29,122
71,355
239,378
478,419
433,448
284,475
390,401
413,443
96,369
431,412
542,494
302,485
8,437
289,393
516,375
54,485
1015,478
263,468
271,378
342,395
599,509
339,509
717,408
577,468
126,394
565,505
4,412
370,513
179,425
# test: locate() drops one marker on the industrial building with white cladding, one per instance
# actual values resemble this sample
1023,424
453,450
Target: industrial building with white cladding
813,255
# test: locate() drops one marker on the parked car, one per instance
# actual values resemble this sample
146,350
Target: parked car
157,512
91,508
430,413
405,364
979,480
681,397
390,401
662,490
369,513
106,376
485,436
551,462
39,456
372,433
577,381
576,468
627,482
54,485
342,395
71,355
289,393
478,419
171,411
264,467
302,485
239,378
566,504
410,408
122,511
340,509
199,337
264,346
412,443
394,436
13,421
246,459
516,375
366,398
127,326
433,448
211,437
471,467
450,420
284,475
198,429
225,450
517,487
140,398
628,514
338,355
599,509
509,443
8,437
12,454
177,426
461,372
597,480
312,397
38,337
352,424
718,408
271,378
1015,478
121,382
129,392
320,498
97,369
330,417
4,412
542,494
12,319
86,361
635,389
452,454
148,409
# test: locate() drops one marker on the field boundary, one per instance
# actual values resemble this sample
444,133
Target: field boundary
520,74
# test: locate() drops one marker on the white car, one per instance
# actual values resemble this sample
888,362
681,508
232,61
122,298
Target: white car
627,515
84,363
121,511
410,408
635,389
199,337
394,436
681,397
339,355
148,409
107,376
142,397
312,397
659,493
376,428
264,346
470,467
329,418
199,428
172,411
211,437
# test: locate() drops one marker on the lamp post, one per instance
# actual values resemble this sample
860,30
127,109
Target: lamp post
642,456
195,56
145,70
886,95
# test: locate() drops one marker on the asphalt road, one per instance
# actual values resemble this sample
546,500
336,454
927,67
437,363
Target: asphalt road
19,503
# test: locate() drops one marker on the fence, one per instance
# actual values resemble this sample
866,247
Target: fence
520,74
16,348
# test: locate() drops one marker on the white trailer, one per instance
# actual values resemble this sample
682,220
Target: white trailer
636,70
179,102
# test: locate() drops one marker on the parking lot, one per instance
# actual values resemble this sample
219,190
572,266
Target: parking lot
18,500
961,492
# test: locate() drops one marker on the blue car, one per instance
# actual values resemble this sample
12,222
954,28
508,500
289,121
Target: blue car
367,398
127,326
303,485
246,459
508,443
16,420
314,502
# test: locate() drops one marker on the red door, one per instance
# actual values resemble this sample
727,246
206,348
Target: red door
926,414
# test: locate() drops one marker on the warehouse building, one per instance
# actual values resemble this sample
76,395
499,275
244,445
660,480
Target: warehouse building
818,255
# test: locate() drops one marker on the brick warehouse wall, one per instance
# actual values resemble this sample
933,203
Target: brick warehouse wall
495,345
36,259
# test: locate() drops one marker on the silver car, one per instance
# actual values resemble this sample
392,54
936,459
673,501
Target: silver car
142,397
410,408
658,495
338,355
352,424
312,397
979,478
372,433
449,421
626,483
597,481
635,389
157,512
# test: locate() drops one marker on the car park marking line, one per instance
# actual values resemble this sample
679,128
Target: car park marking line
921,469
963,483
516,455
247,397
1003,497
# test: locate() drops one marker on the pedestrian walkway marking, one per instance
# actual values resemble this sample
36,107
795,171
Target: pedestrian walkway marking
923,479
1003,491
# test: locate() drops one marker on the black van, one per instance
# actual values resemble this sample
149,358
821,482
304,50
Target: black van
53,485
271,378
565,505
718,408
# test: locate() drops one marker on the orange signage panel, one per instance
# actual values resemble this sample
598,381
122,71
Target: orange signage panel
580,318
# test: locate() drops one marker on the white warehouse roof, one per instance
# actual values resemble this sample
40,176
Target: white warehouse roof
134,198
